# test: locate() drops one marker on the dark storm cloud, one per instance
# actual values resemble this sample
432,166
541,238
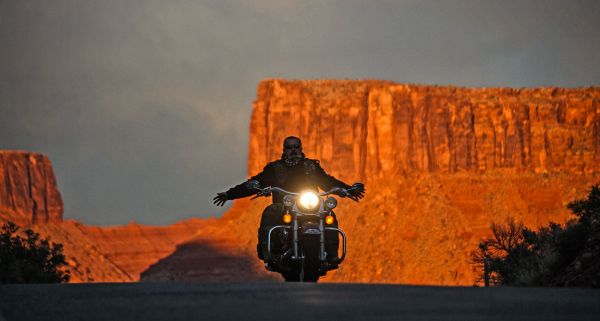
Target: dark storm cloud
143,106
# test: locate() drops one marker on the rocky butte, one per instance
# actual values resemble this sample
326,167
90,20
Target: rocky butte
440,164
29,194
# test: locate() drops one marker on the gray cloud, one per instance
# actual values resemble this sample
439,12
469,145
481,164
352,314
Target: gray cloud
143,106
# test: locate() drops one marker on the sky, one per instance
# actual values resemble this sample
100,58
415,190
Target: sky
143,106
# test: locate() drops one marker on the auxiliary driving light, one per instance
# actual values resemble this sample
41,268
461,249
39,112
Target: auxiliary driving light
287,218
288,201
309,200
330,203
329,219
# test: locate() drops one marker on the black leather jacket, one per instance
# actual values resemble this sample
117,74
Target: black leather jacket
307,175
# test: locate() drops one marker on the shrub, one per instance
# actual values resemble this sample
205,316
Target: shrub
552,256
30,259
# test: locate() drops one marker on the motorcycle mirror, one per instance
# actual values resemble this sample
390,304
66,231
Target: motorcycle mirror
253,185
358,185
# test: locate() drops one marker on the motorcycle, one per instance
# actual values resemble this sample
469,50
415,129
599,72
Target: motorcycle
307,217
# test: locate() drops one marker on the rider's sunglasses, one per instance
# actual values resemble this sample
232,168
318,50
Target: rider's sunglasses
290,146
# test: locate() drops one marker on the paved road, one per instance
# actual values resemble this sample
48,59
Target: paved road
278,301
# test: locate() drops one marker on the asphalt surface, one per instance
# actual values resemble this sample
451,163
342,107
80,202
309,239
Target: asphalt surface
279,301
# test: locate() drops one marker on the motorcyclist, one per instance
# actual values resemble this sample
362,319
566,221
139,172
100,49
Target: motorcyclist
295,173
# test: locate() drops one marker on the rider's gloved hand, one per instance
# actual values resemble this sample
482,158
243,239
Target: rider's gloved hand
220,199
357,191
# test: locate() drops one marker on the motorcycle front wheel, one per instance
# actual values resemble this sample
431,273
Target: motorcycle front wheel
306,270
302,273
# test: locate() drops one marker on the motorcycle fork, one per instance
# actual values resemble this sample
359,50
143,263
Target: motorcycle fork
295,237
295,228
321,239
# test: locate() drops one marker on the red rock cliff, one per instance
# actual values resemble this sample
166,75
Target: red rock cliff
375,129
29,194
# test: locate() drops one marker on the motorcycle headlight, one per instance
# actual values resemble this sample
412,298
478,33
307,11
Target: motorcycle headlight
309,200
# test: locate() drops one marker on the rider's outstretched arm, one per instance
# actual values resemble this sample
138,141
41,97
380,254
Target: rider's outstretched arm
326,181
265,178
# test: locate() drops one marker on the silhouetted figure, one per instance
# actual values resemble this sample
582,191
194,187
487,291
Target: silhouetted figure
295,173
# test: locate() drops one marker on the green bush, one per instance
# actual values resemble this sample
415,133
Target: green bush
555,255
30,259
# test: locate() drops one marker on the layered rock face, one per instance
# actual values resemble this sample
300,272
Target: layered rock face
85,260
28,193
374,129
222,251
118,253
134,247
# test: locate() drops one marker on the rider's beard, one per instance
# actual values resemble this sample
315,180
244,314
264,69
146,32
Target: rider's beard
293,159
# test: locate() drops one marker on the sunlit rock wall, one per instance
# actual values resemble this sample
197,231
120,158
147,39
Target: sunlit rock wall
28,193
374,129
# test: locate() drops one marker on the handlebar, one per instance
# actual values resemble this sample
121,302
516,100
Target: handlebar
343,192
336,190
